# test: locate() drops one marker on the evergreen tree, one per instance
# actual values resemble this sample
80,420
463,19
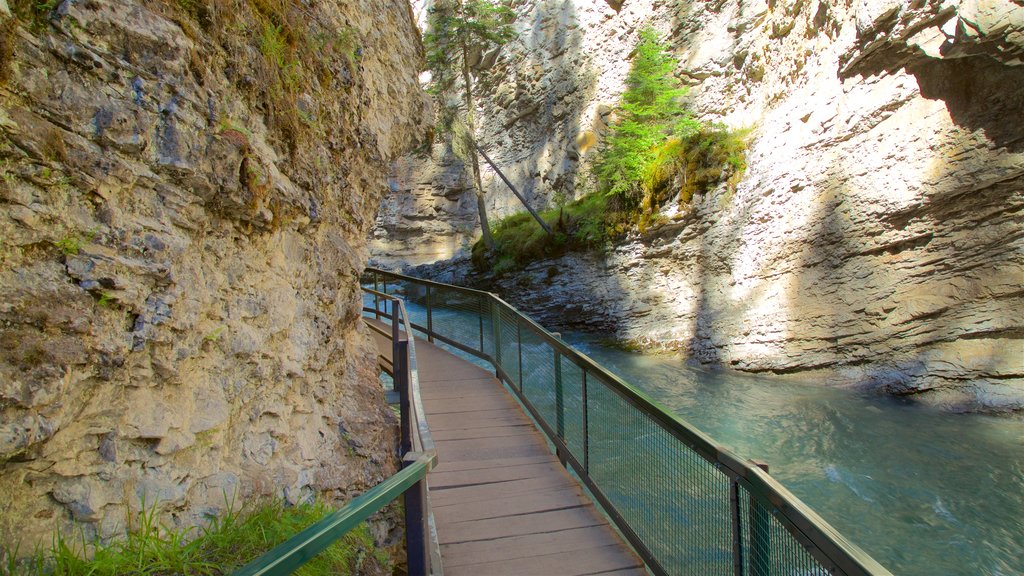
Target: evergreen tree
457,29
649,113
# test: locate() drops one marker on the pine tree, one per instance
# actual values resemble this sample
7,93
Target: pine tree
457,28
649,113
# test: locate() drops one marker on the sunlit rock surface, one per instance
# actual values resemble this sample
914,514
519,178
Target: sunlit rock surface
877,237
178,284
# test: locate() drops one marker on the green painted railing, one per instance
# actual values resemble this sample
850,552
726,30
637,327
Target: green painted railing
686,504
419,456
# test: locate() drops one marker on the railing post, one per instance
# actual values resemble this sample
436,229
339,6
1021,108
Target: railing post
417,550
760,535
430,318
737,530
401,379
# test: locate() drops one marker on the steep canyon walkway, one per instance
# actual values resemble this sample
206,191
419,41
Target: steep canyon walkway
502,503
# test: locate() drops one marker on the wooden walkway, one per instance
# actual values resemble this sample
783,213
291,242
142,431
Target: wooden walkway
502,503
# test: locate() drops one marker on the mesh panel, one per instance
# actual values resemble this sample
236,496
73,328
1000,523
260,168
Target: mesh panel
508,343
488,326
768,548
539,375
572,400
675,501
456,315
414,294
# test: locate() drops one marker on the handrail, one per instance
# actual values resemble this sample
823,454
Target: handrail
301,548
419,457
422,440
771,506
422,546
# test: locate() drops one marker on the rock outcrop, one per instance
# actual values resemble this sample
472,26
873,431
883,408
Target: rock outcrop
877,237
186,190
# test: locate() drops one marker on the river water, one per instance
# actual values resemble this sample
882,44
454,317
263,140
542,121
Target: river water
925,492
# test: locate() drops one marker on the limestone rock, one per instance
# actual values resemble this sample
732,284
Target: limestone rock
178,272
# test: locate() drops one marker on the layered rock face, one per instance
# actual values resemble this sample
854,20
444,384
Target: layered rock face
877,237
186,198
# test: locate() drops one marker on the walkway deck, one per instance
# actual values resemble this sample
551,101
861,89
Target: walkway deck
502,502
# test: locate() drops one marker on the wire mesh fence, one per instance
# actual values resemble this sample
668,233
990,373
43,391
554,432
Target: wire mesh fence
687,505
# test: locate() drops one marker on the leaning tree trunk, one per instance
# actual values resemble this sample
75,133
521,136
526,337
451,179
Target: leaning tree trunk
481,207
481,204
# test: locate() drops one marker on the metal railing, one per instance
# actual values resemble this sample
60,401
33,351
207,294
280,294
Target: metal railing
419,456
686,504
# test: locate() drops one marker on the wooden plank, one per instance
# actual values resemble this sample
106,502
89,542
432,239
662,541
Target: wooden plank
490,464
580,517
485,491
481,432
512,506
525,447
528,545
607,559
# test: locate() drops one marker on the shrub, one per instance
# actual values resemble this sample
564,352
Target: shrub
585,224
696,162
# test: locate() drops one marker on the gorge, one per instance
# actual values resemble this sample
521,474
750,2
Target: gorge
191,190
874,240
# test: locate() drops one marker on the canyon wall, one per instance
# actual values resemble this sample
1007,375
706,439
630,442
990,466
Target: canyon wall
877,237
187,188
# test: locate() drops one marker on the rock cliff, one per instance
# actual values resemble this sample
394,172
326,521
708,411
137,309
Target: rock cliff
186,190
877,237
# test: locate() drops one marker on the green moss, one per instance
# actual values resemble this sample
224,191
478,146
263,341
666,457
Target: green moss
695,163
69,245
227,543
8,39
33,12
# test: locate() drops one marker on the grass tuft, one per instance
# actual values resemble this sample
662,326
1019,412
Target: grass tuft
231,540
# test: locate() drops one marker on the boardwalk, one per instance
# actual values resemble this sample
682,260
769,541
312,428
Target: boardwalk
502,502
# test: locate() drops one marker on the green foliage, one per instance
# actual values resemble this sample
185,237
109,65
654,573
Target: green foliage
35,12
454,28
105,300
585,224
69,245
649,113
273,46
213,336
230,541
72,243
456,25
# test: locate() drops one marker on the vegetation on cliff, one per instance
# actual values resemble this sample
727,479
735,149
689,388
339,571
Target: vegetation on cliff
654,153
